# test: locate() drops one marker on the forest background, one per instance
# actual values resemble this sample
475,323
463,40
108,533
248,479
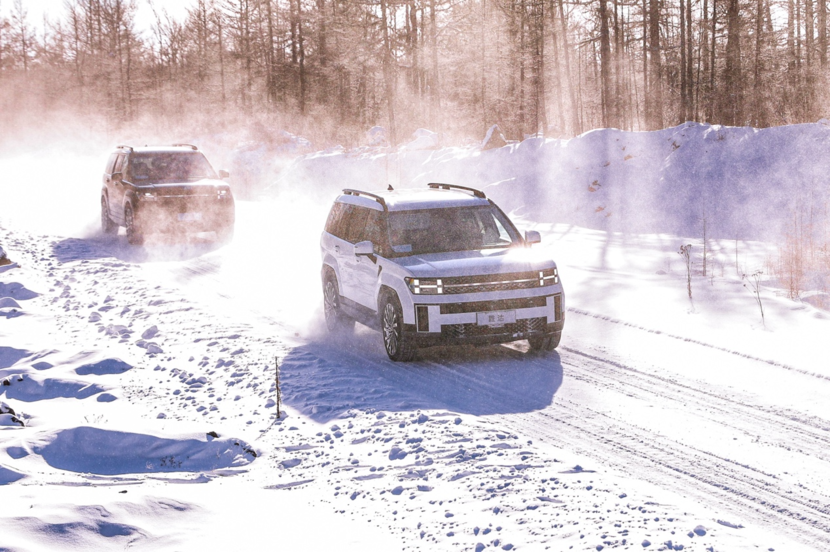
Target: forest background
331,69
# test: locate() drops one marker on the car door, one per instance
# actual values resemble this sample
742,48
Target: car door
353,222
337,244
116,188
366,269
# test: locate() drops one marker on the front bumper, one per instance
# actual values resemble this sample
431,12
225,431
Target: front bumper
458,323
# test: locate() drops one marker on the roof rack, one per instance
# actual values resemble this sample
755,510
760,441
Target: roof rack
376,197
124,147
441,186
191,146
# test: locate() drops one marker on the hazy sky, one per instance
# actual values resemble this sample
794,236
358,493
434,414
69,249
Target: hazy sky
52,9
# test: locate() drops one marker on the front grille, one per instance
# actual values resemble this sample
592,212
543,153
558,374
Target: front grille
500,282
461,331
485,306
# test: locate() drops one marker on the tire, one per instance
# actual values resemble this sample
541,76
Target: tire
545,343
336,320
398,345
134,235
107,226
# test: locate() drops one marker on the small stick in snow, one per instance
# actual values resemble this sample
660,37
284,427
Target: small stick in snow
685,251
277,379
754,280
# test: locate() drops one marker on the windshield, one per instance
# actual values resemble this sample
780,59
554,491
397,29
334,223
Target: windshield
450,229
152,168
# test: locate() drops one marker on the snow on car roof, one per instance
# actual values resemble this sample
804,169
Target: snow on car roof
408,199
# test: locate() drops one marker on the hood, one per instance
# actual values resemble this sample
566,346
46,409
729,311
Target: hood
474,263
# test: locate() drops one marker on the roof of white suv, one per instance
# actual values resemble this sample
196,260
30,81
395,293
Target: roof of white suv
409,199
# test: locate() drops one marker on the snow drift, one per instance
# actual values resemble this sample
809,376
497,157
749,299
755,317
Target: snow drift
745,182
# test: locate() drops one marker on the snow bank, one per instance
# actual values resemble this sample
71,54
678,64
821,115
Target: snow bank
104,452
744,181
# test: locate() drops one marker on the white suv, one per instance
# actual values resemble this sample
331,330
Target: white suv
435,266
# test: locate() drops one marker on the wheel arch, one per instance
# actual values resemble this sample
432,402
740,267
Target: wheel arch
399,289
329,266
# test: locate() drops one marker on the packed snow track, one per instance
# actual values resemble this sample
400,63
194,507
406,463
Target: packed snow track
653,418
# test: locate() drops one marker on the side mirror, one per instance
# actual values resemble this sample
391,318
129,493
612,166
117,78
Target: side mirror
224,174
116,177
532,236
364,248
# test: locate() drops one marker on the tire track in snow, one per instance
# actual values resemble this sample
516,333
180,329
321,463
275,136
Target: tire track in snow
697,342
813,430
635,450
750,491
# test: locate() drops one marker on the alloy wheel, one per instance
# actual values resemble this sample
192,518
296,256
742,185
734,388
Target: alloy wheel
330,305
390,329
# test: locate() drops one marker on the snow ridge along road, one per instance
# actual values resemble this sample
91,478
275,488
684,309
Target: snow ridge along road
626,438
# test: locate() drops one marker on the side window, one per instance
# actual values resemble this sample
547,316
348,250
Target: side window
335,218
374,231
111,163
355,223
119,164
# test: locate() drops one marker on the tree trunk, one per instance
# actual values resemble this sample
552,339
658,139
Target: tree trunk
608,111
434,95
576,126
690,97
822,33
684,100
557,73
646,88
388,72
656,69
758,94
702,94
712,66
732,102
301,57
270,57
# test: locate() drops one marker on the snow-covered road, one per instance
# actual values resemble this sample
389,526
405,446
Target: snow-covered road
660,423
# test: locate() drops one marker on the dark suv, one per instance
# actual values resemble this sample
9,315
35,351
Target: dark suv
165,189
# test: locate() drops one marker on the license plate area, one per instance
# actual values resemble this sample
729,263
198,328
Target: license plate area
496,319
190,217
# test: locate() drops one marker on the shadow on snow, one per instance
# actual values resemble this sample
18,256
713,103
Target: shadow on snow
155,249
327,378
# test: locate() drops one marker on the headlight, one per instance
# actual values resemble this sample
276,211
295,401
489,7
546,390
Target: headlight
222,192
147,196
425,286
548,277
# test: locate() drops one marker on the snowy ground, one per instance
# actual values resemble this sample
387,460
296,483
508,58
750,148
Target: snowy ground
660,423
